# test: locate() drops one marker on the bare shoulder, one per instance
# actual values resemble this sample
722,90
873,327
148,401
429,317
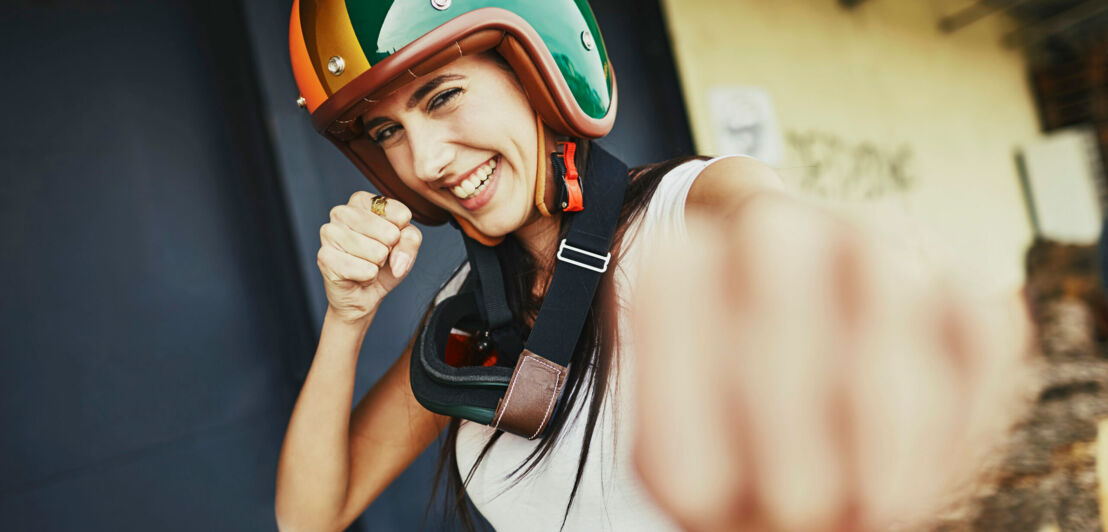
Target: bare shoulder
729,180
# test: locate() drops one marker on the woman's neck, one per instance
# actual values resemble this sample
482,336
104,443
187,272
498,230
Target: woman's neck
540,237
540,240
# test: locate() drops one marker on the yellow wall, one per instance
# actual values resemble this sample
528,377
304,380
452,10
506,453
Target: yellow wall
882,74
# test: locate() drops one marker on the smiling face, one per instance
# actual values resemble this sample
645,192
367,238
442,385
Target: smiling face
465,138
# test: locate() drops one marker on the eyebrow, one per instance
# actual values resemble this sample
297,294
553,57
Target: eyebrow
430,86
418,95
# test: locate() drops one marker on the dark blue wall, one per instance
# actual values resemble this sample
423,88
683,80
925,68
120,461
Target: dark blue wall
150,310
159,214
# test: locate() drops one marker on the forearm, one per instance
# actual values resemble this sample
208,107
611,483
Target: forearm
313,471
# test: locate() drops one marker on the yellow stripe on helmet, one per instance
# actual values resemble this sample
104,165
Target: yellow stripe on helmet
331,43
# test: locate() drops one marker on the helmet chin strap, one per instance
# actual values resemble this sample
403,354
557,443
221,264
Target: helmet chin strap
540,192
540,177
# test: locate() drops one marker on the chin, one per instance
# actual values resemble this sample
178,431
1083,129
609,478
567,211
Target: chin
496,230
502,226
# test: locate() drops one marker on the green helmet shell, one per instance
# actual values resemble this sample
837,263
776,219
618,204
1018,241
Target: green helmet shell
567,27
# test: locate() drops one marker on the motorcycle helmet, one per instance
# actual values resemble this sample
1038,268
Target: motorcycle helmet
346,55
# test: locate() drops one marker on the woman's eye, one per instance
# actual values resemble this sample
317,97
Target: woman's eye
384,134
443,98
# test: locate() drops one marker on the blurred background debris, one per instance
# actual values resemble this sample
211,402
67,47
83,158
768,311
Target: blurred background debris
1047,478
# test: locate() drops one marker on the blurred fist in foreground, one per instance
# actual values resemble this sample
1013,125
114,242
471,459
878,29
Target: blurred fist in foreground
795,376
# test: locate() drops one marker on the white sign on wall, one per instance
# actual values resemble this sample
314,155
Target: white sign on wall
744,123
1061,172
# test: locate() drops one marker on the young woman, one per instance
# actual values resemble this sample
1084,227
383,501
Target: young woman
454,113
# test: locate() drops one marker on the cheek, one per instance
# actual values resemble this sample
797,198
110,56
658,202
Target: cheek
400,158
503,109
480,124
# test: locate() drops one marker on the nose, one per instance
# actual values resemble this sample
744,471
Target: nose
431,151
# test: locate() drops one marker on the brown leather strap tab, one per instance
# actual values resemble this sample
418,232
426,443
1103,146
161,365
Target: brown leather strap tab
532,393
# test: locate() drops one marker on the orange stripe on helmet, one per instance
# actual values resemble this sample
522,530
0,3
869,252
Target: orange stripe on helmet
306,80
330,34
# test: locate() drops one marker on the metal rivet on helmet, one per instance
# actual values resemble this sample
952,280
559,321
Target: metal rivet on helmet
586,40
441,5
336,65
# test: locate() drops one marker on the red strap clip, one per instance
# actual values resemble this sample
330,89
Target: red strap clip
574,197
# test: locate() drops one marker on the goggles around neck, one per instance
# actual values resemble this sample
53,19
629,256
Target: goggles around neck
522,390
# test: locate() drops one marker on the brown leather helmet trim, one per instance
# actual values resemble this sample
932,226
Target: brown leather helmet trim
533,85
471,33
532,394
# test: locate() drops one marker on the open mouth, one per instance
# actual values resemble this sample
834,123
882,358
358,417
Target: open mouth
476,182
477,190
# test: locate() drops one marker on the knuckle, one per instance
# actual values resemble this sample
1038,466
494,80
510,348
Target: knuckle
379,252
403,213
358,197
369,272
326,256
336,212
326,268
392,235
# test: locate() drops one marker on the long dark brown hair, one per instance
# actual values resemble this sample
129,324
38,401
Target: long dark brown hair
596,347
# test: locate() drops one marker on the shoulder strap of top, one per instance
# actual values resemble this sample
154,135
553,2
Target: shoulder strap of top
666,211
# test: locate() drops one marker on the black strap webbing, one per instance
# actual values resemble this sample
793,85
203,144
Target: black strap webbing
567,302
573,286
493,303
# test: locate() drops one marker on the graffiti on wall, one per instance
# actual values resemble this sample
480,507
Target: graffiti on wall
837,168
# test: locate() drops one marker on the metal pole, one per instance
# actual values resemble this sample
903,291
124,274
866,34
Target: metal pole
973,13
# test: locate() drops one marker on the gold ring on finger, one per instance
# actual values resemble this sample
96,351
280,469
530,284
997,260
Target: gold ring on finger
378,205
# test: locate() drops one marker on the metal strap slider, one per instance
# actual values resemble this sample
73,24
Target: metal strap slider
601,268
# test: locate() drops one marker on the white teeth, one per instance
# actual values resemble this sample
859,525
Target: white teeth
476,182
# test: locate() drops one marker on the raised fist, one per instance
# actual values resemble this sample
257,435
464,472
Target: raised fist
363,256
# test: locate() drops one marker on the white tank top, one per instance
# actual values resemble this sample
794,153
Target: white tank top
610,496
